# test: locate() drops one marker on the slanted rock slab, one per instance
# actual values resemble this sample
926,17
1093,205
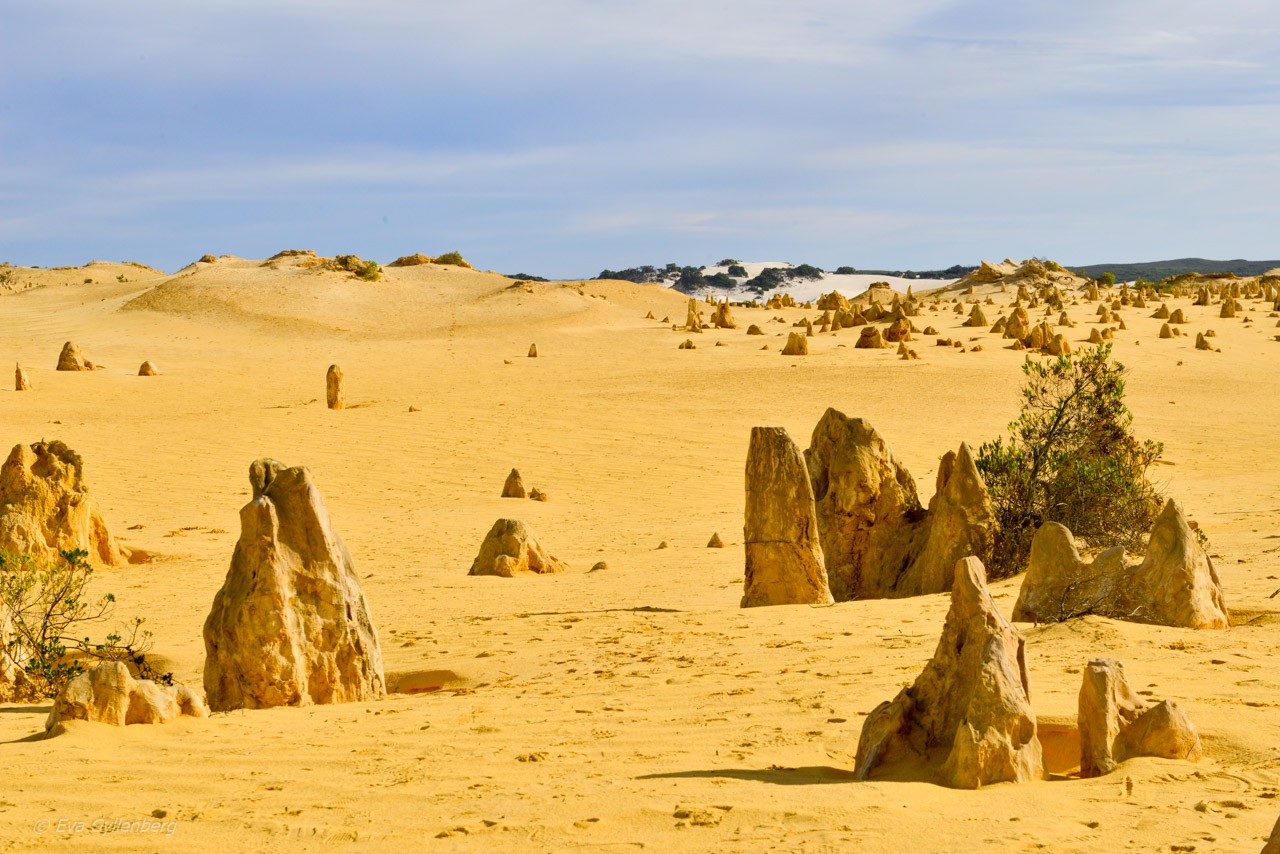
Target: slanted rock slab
1116,724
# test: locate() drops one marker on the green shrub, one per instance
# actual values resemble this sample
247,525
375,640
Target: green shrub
1107,280
737,271
454,259
1070,458
370,272
46,606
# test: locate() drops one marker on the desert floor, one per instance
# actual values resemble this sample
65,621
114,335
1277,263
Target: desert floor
631,708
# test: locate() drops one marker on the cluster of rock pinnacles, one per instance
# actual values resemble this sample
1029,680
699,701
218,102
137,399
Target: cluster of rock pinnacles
842,521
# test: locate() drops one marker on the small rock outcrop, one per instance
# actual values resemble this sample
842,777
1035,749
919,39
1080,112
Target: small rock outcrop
715,542
722,317
72,359
784,563
1176,585
870,339
1273,841
290,625
109,694
536,494
333,388
514,485
148,369
20,380
797,345
46,508
1115,724
967,718
510,549
533,351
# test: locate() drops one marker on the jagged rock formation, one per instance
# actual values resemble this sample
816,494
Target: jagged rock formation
333,388
1115,724
71,359
514,485
693,320
877,538
20,380
510,549
148,369
722,318
797,345
46,508
536,494
109,694
783,556
967,718
1176,585
290,625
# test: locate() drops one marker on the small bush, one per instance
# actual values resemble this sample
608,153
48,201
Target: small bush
1107,279
1070,458
737,271
46,607
453,259
370,272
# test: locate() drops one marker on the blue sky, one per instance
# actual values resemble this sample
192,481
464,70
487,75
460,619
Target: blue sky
564,136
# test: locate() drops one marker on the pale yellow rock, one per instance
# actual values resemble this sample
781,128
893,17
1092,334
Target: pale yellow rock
20,380
784,563
870,339
533,351
513,487
148,369
290,625
1176,585
879,542
722,317
72,359
967,720
693,319
333,392
46,507
797,345
1115,724
510,549
108,694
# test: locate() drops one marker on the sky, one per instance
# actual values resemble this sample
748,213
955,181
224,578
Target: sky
563,137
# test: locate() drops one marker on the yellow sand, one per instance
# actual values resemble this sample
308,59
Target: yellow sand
635,707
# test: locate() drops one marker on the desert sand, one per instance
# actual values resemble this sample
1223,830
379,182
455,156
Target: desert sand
632,707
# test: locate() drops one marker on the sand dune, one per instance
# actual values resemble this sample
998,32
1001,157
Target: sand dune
636,706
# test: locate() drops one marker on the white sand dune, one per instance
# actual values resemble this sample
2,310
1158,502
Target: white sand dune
634,707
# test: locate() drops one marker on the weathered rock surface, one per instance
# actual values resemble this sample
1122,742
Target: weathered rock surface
797,345
784,563
877,538
72,359
514,485
333,388
870,339
693,319
20,380
109,694
1115,724
290,626
1176,585
722,317
967,720
510,549
533,351
46,508
1273,842
148,369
